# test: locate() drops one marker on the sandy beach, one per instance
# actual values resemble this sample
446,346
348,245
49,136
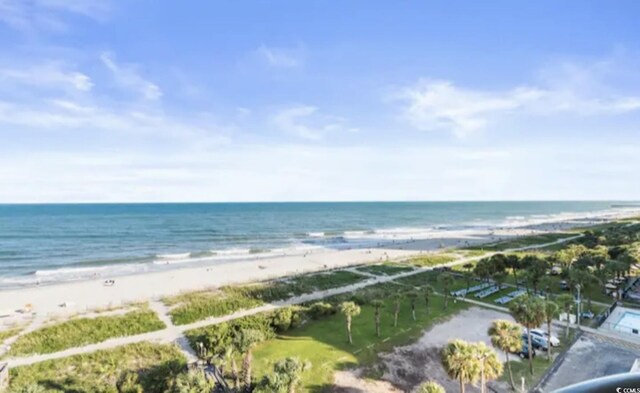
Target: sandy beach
82,296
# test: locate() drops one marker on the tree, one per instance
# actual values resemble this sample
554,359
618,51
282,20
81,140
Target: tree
446,279
413,299
490,365
245,341
506,336
536,268
427,292
529,312
286,376
567,256
461,363
513,262
430,387
350,310
566,303
550,312
192,381
377,305
468,275
397,298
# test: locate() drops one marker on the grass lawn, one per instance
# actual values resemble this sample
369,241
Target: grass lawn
324,342
385,269
84,331
99,371
196,306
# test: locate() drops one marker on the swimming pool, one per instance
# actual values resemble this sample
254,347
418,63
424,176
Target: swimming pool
629,322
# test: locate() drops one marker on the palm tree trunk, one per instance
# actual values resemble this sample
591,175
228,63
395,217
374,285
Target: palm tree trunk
446,298
378,323
349,329
482,379
413,311
461,385
235,375
395,315
513,385
549,340
530,351
247,370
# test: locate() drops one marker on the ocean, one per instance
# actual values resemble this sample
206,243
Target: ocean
60,242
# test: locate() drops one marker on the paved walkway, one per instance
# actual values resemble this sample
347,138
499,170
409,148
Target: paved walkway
175,334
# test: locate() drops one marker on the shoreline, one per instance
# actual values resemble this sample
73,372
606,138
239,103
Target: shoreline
77,297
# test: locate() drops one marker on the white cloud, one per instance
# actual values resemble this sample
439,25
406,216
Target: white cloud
305,121
47,75
128,77
441,105
48,15
281,57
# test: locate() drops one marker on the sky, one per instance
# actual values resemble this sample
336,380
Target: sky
146,101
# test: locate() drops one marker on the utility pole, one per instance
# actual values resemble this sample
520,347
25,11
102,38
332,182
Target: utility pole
578,303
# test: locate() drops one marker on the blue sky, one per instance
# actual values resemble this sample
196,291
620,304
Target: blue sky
107,100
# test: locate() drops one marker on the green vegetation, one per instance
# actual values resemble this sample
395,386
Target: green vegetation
385,269
327,348
83,331
429,260
5,334
471,363
154,365
523,241
196,306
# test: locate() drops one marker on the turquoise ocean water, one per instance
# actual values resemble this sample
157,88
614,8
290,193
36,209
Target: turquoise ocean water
50,243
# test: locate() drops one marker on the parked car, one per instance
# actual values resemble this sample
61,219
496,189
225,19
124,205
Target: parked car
564,285
541,333
524,351
587,315
537,341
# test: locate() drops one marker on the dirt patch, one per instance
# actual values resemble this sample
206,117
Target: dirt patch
407,367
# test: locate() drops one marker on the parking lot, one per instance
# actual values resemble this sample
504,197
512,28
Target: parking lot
592,357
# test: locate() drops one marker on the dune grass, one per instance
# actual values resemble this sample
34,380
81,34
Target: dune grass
83,331
98,372
429,260
324,342
5,334
385,269
196,306
523,241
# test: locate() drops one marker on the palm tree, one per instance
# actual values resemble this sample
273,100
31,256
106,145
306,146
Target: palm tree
350,310
446,279
377,305
550,312
193,381
490,366
468,275
566,303
529,312
397,298
460,362
427,291
430,387
513,262
413,299
245,341
291,369
506,336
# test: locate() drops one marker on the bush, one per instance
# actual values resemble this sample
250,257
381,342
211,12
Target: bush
320,310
